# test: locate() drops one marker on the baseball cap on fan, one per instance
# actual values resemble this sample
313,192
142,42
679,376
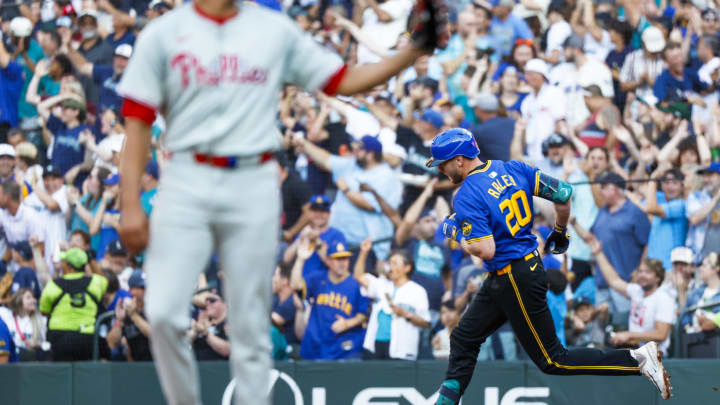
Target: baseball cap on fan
337,250
319,203
682,254
538,66
433,117
7,150
653,39
124,50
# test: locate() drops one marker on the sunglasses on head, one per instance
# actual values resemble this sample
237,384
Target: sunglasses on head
523,41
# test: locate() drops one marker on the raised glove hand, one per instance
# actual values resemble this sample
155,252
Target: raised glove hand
429,22
451,228
558,241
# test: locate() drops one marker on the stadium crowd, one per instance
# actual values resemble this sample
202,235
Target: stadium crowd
617,97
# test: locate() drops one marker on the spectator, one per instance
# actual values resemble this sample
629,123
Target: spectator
557,150
50,200
643,66
283,308
681,280
19,222
400,307
114,295
707,293
541,110
676,81
28,328
131,323
468,37
449,318
653,310
11,86
334,330
495,133
623,230
556,301
25,276
579,71
558,31
87,206
382,23
47,79
106,220
357,214
319,234
106,77
509,94
209,332
295,194
669,221
700,205
620,34
7,161
71,303
506,28
66,134
27,169
587,324
116,260
149,184
604,116
27,54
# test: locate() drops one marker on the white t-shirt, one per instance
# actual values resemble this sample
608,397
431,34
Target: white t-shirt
572,82
26,327
645,311
556,36
598,50
384,34
21,226
541,112
217,84
404,336
55,222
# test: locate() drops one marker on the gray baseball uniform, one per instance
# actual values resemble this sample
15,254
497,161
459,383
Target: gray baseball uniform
217,85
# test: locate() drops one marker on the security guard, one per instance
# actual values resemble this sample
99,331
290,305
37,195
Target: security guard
493,220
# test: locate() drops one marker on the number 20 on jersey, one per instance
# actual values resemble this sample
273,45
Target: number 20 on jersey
517,211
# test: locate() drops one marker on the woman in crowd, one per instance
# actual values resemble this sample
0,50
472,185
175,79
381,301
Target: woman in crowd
28,327
87,206
707,293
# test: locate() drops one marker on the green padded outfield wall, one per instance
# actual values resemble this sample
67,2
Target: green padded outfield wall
696,382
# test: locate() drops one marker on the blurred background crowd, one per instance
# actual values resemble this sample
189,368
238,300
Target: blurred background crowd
617,97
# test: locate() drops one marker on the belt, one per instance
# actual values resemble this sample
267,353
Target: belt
507,268
233,162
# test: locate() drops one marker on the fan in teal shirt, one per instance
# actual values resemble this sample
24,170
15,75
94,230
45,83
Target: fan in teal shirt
34,53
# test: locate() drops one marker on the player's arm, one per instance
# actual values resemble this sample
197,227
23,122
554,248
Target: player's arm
484,249
358,79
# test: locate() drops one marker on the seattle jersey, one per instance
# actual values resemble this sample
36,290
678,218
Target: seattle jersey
496,201
330,301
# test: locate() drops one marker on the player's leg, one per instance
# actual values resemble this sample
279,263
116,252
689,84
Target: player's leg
247,232
525,304
180,248
482,318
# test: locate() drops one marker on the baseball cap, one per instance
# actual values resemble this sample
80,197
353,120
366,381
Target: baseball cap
74,104
116,248
653,39
23,248
64,21
75,257
26,149
337,250
612,177
51,170
371,144
124,50
68,9
713,168
485,102
433,117
159,5
581,300
88,13
112,180
574,41
678,109
319,203
504,3
21,27
556,140
137,279
153,169
539,66
7,150
682,254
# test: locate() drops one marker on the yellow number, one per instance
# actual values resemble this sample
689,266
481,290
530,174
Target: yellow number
520,217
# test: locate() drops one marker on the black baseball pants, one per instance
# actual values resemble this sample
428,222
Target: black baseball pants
518,293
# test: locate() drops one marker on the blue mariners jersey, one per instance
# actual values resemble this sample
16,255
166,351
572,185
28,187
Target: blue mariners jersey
496,201
329,301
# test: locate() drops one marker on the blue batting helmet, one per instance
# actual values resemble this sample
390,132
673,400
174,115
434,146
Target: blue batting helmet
451,143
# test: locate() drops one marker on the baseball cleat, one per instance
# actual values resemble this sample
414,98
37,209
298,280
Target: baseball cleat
449,393
651,367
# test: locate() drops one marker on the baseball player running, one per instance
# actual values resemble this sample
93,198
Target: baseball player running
493,220
214,68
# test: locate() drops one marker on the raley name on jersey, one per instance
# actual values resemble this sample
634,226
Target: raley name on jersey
223,70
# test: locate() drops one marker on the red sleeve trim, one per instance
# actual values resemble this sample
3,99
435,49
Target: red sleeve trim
333,83
132,108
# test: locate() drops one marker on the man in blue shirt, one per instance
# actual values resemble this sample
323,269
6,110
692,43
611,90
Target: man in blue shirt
149,182
105,77
495,133
675,81
493,220
318,235
623,228
334,330
68,149
669,221
25,276
506,28
8,352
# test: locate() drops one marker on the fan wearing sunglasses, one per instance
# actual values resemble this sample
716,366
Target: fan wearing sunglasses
208,333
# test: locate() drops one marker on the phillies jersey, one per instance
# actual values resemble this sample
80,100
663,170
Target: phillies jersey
217,81
496,201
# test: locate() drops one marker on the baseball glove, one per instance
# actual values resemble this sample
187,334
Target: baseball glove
429,25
